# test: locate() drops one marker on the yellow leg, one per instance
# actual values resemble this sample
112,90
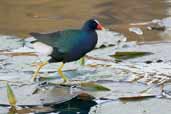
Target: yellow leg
38,69
61,73
82,61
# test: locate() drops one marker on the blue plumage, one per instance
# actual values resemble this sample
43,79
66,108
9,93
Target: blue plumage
70,45
67,45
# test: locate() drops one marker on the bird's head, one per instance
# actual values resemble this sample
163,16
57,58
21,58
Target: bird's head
92,25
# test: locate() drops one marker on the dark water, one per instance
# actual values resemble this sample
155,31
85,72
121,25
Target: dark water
20,17
75,106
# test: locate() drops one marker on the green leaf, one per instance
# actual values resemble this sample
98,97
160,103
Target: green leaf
129,55
93,86
47,78
11,96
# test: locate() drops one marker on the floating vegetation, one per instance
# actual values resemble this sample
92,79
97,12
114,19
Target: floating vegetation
94,86
129,55
136,98
99,79
11,97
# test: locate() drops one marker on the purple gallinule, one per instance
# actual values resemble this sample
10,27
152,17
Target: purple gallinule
67,45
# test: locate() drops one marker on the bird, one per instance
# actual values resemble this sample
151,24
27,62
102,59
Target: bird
66,45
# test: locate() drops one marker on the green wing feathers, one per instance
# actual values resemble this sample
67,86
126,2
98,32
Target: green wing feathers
63,40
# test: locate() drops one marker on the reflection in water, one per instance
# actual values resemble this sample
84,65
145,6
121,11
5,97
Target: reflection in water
74,106
21,17
168,8
166,35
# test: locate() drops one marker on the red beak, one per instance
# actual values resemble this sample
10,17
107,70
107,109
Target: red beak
100,27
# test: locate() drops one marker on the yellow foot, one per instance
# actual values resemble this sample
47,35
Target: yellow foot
61,74
36,73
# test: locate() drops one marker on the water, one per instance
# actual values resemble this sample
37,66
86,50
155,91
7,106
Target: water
21,17
74,106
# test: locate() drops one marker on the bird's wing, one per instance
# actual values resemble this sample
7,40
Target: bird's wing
62,40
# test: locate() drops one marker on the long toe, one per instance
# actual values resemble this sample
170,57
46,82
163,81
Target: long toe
36,73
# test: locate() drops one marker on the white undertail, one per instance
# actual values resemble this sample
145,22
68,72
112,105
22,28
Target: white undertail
42,49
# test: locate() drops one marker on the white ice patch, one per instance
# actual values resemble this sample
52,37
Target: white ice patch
106,38
136,30
24,49
42,49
